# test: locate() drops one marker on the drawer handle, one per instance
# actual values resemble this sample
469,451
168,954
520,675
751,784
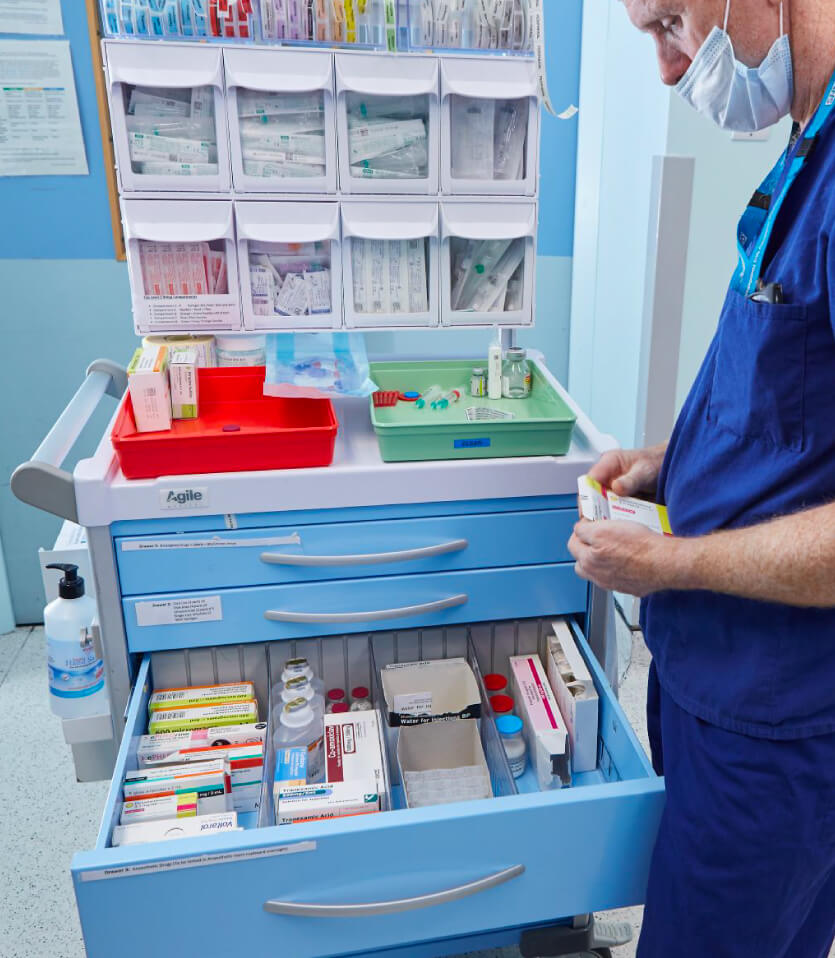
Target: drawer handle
373,558
324,618
311,910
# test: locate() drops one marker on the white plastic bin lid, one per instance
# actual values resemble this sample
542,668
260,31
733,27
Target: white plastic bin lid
291,71
501,80
287,222
158,65
488,220
387,75
389,220
177,221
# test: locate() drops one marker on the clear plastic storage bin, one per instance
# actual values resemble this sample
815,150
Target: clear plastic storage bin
390,258
180,19
487,263
470,25
291,272
354,23
489,121
182,264
168,115
388,143
282,128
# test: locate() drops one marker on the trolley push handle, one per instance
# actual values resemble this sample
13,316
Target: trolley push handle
41,482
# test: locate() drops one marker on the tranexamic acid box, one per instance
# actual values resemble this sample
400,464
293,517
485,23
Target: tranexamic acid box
309,803
183,378
148,386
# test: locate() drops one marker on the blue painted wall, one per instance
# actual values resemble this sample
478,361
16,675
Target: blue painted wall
64,304
63,217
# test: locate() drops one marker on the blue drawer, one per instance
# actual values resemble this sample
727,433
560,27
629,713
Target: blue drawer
264,613
498,863
341,550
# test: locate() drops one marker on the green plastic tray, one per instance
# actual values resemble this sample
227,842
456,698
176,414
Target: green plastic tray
541,426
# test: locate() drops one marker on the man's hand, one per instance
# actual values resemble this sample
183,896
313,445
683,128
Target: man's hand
629,472
622,556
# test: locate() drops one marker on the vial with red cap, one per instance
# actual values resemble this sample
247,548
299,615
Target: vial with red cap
502,704
360,699
339,708
495,684
334,697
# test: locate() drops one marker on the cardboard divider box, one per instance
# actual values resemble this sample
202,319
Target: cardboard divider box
418,693
576,695
439,747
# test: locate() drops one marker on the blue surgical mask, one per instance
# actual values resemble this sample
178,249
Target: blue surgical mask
734,96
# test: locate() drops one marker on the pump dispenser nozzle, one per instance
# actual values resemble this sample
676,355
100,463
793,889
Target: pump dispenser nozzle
71,585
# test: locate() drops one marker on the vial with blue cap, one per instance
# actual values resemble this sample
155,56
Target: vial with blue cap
510,731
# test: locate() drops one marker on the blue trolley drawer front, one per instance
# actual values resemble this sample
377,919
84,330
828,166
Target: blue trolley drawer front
394,878
265,613
347,550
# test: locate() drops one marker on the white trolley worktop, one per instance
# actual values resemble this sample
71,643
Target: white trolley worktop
357,477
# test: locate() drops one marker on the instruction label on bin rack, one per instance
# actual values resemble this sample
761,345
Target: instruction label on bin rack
186,314
174,864
179,611
153,545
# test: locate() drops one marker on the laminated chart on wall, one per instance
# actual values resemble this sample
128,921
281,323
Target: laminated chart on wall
31,16
40,127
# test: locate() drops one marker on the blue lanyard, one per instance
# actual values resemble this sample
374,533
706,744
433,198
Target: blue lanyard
757,222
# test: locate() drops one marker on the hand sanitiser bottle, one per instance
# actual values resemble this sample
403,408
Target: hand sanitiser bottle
76,673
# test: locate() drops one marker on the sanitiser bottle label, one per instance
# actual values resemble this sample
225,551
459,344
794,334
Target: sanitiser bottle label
74,670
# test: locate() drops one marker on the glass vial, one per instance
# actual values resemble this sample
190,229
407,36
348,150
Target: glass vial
510,731
516,374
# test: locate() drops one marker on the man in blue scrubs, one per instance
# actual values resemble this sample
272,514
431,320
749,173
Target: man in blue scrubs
740,604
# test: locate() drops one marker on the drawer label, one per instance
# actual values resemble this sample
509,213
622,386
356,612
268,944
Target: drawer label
197,861
205,608
191,497
155,545
471,443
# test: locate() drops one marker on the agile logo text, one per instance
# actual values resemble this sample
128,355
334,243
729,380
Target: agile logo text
189,498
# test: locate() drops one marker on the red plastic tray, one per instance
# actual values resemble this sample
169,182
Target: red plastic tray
272,433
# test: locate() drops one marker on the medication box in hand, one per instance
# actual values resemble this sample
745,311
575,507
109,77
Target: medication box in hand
545,730
576,695
597,502
148,387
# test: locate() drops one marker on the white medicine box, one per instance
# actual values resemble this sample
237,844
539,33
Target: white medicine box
489,127
290,265
390,263
168,114
487,262
388,123
282,129
183,265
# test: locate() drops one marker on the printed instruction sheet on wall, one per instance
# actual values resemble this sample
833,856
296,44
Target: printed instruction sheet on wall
40,127
31,16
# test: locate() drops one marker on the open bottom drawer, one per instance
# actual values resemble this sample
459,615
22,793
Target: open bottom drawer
352,885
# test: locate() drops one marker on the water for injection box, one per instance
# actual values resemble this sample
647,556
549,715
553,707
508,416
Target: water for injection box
576,695
195,716
549,750
165,829
437,690
426,752
353,748
202,695
166,747
309,803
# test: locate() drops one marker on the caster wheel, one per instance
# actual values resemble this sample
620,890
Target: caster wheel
602,952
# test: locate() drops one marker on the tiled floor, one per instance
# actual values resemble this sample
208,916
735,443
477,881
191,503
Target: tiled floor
54,815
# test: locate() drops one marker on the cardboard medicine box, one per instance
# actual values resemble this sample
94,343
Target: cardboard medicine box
183,379
438,690
148,386
549,750
576,695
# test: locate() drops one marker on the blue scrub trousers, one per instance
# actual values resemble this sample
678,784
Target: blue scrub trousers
744,864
